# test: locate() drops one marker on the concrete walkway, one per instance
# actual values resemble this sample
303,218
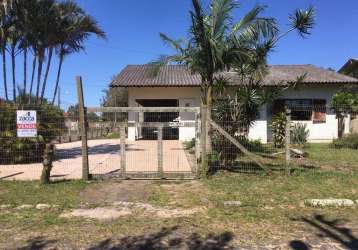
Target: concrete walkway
104,157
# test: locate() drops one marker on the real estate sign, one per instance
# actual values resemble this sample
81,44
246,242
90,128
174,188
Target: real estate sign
26,123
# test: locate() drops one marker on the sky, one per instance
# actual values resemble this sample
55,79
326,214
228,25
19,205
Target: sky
133,26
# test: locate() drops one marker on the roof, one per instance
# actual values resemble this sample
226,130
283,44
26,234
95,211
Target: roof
349,66
180,76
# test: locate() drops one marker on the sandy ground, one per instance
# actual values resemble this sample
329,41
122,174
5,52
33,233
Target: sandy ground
104,158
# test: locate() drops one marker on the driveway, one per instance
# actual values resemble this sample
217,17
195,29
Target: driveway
104,158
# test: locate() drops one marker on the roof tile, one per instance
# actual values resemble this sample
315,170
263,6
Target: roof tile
179,75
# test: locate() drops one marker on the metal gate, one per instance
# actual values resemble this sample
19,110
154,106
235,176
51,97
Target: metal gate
153,143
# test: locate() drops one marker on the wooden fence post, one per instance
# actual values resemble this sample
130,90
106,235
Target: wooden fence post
122,131
83,126
197,142
204,158
47,163
288,140
160,151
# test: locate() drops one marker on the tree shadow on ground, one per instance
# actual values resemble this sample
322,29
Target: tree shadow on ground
246,167
167,238
38,243
105,148
328,229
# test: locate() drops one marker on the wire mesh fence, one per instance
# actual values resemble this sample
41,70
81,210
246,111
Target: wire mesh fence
155,144
152,144
24,132
320,138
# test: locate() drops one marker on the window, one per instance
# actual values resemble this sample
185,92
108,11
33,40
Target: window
319,111
303,109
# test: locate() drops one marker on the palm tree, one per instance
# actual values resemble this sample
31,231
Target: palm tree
212,48
52,40
42,27
14,38
75,27
32,9
4,30
24,10
216,43
44,41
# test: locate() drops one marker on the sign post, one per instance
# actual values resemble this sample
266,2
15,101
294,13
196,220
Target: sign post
26,123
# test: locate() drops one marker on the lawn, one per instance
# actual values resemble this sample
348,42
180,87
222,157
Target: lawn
272,210
343,158
321,157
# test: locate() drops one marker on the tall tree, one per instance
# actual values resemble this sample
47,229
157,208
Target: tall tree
216,43
5,25
44,41
41,28
75,26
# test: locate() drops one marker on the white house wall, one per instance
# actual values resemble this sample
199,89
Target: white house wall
319,132
258,130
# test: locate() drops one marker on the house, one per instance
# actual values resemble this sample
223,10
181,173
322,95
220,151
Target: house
350,68
175,86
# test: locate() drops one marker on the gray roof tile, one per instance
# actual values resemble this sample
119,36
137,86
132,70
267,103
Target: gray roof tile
179,75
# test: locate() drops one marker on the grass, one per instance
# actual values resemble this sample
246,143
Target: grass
272,207
112,135
62,194
324,154
159,196
320,157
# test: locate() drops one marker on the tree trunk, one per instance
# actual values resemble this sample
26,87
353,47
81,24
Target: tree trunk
46,74
209,104
32,76
25,70
13,72
39,72
58,78
4,71
340,125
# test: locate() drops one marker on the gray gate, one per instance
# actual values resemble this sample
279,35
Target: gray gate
155,142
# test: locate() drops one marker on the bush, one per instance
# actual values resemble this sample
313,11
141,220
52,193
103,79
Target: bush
349,141
14,150
225,153
278,126
299,134
189,145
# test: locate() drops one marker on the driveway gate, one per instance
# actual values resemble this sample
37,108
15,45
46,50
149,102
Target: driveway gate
155,142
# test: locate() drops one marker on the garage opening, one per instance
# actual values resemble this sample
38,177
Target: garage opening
168,132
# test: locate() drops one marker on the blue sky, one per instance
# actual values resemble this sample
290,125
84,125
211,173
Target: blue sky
133,27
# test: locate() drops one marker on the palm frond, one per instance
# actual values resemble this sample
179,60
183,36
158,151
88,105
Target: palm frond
303,21
253,25
175,44
221,17
163,60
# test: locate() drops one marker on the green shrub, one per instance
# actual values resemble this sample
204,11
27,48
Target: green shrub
14,150
349,141
299,134
278,126
188,145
